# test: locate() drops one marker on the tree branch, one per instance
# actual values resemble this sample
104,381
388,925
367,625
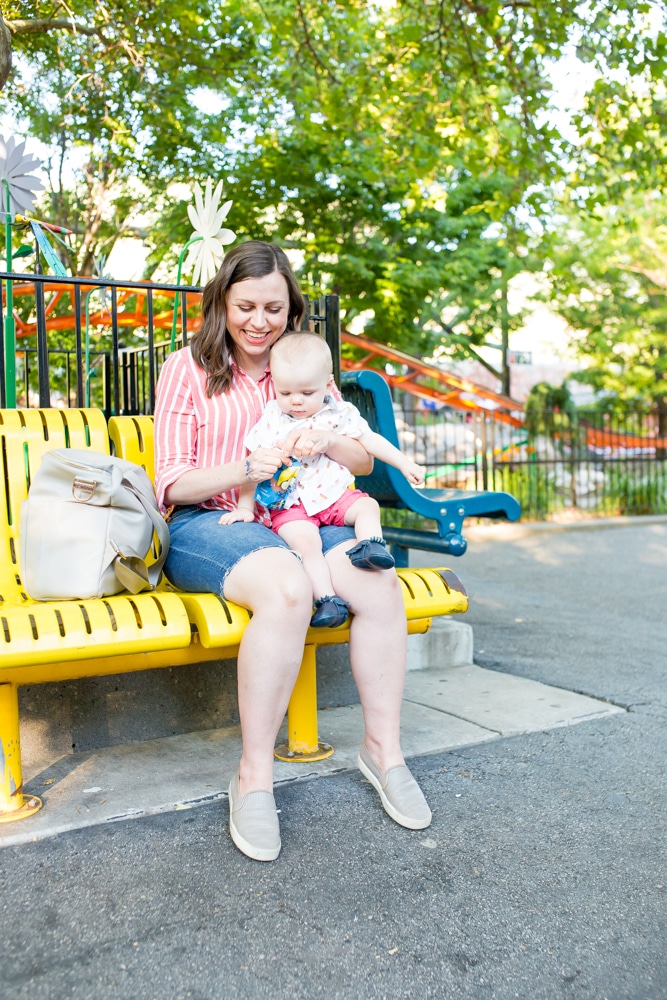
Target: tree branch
478,357
309,44
463,342
40,25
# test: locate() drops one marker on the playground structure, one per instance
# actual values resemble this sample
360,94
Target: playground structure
141,306
62,308
427,381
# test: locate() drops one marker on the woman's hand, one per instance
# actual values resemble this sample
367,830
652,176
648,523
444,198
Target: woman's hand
340,448
263,463
202,484
304,443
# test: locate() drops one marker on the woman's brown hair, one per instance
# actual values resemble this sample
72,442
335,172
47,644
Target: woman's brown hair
212,347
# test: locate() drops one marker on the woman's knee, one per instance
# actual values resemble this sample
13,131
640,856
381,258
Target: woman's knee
294,587
376,593
270,578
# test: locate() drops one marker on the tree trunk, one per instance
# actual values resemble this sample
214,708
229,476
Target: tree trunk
5,53
505,339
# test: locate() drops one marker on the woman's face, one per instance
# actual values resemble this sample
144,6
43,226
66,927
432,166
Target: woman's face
257,311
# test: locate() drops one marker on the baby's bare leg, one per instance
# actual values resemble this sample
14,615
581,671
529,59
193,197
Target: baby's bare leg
304,537
364,517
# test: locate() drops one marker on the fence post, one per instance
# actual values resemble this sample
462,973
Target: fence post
42,349
574,458
325,312
332,331
80,388
3,397
485,457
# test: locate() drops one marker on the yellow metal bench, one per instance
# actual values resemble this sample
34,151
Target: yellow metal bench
64,640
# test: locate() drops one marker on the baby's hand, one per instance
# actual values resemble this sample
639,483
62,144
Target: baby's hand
413,473
240,514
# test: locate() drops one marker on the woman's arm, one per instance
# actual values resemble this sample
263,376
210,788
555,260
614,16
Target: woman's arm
346,451
179,480
202,484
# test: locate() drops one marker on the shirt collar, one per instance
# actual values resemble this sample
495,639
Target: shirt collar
237,370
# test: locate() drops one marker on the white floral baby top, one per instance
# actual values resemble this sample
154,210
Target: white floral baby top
321,481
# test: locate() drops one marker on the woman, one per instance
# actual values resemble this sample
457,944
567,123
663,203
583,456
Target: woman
209,395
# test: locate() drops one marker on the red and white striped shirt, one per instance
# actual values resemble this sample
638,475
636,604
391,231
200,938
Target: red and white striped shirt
193,431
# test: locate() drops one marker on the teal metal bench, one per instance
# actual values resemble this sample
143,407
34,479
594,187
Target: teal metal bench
447,507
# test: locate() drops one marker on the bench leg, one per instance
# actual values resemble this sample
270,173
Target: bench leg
303,744
13,804
401,555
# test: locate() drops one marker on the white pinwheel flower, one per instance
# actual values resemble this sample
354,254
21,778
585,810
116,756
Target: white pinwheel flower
15,167
206,215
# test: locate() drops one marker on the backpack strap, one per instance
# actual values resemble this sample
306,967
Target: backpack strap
131,570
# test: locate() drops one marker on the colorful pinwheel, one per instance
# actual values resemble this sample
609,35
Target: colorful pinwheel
17,193
15,176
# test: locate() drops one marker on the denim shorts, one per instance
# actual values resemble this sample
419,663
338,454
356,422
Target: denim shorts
202,552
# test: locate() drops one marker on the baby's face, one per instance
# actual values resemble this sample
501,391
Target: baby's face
300,388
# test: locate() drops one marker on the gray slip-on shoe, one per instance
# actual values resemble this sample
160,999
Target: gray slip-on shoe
401,796
253,823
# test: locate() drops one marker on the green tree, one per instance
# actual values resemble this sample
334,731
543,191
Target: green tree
414,160
406,149
113,90
608,277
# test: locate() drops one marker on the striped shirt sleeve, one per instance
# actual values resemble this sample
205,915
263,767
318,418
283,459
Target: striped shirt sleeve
195,431
175,426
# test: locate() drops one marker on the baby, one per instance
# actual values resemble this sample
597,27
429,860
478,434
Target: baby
320,493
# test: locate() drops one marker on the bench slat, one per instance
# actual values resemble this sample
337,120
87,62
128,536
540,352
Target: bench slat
132,439
48,631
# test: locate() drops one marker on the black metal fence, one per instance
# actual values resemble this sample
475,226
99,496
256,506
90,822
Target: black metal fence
594,462
98,342
86,341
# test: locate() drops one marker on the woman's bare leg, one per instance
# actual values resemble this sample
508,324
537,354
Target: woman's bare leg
272,584
378,650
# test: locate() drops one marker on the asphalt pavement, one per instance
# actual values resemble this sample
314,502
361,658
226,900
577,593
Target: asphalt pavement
543,874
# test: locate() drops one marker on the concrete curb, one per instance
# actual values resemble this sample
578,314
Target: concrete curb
447,643
445,708
505,531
